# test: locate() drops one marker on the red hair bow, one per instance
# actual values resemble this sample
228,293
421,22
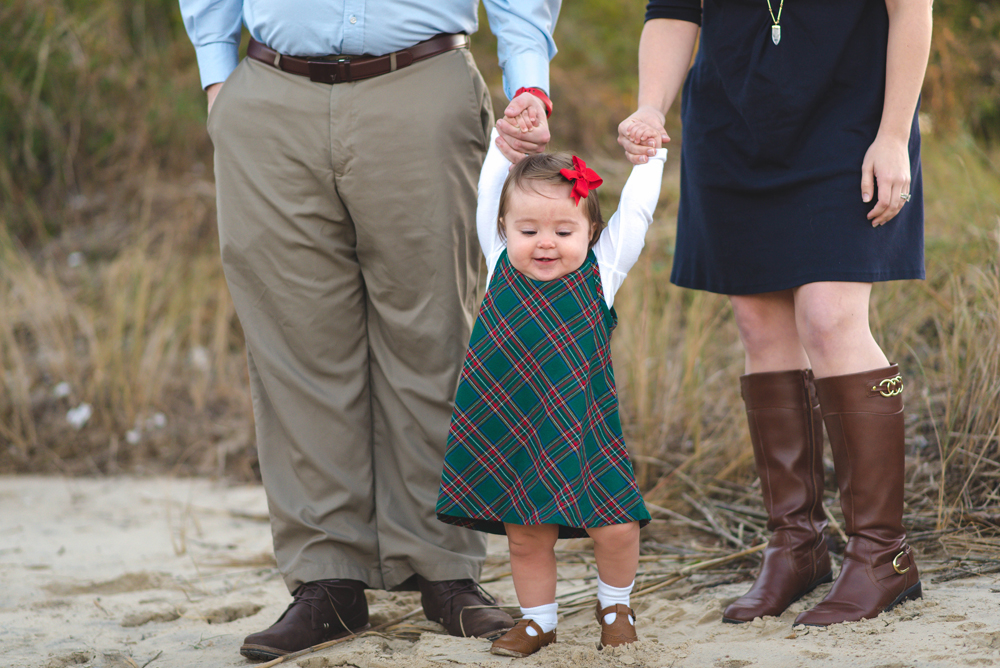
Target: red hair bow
584,179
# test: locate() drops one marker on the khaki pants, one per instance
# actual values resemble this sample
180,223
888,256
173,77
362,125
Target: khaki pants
347,227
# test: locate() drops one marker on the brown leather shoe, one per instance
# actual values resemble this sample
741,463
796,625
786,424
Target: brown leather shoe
464,608
518,643
619,632
864,418
320,611
786,429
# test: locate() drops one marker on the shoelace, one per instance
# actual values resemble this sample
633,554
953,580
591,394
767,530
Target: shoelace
312,593
456,587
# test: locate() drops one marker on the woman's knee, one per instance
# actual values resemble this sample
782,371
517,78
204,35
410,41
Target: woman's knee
764,323
827,319
820,330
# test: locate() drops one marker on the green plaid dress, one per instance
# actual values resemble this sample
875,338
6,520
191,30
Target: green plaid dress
535,437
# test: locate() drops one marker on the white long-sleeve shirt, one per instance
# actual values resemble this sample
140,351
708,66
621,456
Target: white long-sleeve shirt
620,243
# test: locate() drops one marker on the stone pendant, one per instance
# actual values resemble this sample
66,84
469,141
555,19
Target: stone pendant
775,33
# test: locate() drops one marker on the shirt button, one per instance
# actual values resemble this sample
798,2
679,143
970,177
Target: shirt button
354,19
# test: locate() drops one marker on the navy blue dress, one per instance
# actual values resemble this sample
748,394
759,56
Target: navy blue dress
773,140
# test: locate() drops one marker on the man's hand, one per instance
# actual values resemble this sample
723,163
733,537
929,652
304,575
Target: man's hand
212,91
523,128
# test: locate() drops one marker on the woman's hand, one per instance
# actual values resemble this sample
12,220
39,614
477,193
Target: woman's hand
641,134
886,167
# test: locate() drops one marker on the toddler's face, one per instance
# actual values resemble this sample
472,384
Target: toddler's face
548,235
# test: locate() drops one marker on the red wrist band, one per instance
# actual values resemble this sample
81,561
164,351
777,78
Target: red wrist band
540,94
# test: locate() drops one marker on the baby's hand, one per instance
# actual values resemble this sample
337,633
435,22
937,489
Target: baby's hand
643,134
523,128
523,121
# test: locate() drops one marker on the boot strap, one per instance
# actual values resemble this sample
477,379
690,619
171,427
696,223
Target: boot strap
887,387
899,565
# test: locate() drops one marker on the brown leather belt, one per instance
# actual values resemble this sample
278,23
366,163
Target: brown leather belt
342,69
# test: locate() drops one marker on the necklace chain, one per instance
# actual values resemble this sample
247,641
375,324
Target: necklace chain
776,19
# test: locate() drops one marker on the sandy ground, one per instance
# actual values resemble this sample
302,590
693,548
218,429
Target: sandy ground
166,572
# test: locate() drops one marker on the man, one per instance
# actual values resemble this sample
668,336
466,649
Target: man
347,152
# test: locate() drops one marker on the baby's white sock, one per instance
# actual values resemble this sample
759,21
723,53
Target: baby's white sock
545,616
608,595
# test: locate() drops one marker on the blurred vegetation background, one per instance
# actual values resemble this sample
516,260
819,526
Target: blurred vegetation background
120,350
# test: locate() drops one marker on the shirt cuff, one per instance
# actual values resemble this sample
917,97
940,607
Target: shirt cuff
216,61
526,70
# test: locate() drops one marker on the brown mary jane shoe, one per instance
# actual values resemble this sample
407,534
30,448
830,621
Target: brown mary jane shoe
518,643
619,632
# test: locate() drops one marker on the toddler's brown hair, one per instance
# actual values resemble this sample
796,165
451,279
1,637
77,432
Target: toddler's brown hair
545,167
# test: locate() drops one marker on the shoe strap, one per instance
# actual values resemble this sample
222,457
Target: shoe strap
532,623
617,608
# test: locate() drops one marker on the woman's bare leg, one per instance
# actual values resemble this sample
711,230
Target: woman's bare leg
787,438
832,321
769,332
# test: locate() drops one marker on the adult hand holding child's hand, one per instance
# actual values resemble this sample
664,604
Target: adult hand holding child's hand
641,134
523,128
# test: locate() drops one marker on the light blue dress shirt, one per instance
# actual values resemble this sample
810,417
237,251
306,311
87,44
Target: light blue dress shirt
371,27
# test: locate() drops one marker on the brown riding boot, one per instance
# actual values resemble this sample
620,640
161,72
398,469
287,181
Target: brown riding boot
786,430
864,418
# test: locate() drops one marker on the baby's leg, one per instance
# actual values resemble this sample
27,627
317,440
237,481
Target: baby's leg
616,549
533,567
533,562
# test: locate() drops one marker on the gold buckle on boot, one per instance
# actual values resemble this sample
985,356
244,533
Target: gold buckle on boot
890,387
895,565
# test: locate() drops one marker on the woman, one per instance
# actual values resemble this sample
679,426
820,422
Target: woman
800,186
